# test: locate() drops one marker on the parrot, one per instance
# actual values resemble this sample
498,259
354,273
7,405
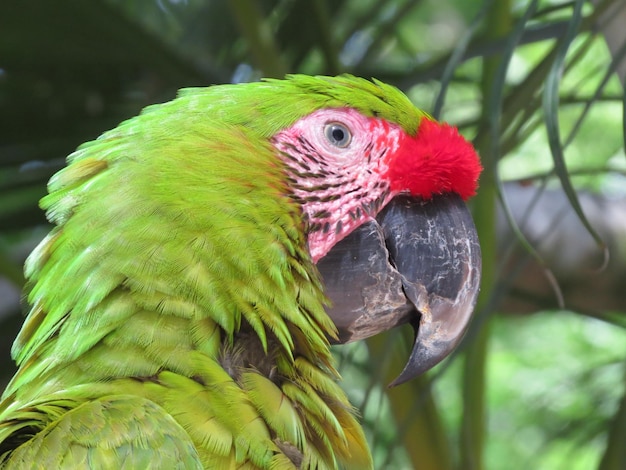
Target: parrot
206,254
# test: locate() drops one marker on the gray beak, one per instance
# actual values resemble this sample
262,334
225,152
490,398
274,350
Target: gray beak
418,262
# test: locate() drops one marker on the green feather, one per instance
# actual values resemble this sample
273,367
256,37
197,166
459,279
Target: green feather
272,404
121,432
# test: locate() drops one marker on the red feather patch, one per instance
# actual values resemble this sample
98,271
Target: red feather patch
436,160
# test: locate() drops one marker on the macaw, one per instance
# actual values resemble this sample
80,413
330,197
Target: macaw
206,253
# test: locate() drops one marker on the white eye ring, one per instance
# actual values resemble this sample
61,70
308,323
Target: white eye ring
337,134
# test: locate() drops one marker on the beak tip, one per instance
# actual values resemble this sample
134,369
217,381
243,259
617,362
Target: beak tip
422,359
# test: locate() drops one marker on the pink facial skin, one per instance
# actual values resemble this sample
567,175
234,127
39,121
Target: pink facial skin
343,183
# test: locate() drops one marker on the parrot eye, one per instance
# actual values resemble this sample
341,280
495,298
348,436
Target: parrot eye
338,134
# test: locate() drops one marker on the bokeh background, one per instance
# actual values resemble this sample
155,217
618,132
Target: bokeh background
539,381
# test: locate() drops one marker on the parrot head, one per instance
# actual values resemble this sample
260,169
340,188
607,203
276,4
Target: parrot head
382,202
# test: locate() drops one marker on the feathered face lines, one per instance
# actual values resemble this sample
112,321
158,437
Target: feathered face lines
334,161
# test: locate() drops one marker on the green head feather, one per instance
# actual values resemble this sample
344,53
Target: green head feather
271,105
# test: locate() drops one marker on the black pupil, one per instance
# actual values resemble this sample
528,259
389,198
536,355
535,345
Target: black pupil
338,134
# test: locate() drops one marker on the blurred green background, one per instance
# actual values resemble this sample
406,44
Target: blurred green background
539,381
